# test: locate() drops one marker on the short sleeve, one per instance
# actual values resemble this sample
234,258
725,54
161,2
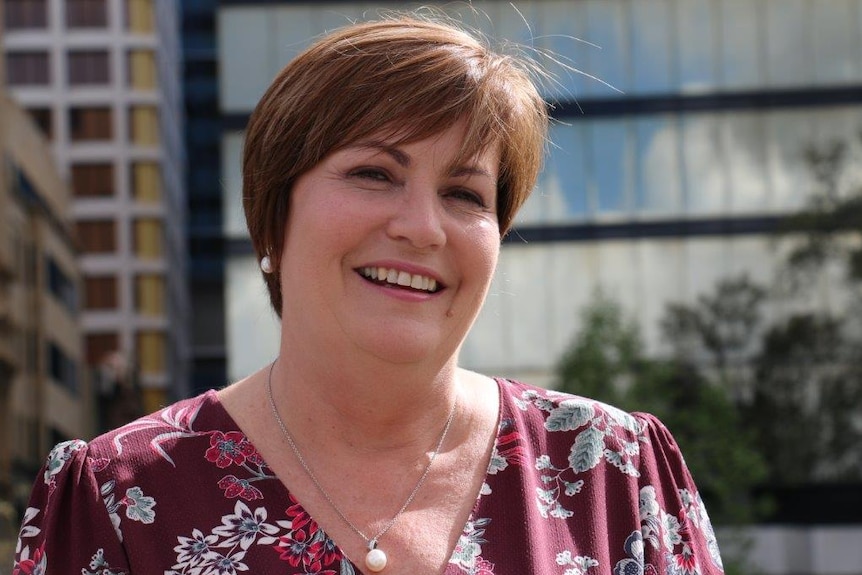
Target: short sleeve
67,527
677,535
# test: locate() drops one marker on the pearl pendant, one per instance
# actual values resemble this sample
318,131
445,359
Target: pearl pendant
375,560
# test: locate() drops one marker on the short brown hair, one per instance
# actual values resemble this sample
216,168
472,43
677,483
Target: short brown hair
405,75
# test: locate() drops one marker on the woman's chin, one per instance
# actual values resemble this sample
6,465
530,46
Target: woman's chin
404,347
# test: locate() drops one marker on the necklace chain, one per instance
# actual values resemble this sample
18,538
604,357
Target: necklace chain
372,541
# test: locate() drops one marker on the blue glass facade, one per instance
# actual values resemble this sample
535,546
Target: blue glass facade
680,128
203,135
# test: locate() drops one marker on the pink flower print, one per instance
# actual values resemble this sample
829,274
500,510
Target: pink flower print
235,487
484,567
684,563
514,452
99,463
306,543
230,448
33,566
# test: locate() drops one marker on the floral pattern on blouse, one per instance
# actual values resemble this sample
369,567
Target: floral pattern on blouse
185,492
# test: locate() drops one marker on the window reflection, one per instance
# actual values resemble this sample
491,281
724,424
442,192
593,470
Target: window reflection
703,169
606,28
741,23
835,35
744,147
788,43
697,30
608,168
651,46
563,181
658,170
789,135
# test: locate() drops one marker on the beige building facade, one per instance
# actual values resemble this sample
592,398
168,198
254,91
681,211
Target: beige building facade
101,80
45,395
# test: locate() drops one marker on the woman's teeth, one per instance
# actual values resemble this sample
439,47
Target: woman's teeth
400,278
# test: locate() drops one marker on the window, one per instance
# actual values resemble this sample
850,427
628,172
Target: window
150,294
86,14
139,16
144,125
100,292
151,352
99,346
43,118
93,180
27,69
24,14
62,369
146,182
90,124
142,70
89,67
61,287
97,236
148,238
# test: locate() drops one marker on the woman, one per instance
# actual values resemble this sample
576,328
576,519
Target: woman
381,169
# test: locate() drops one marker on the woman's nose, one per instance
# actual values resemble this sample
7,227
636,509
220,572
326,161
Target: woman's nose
418,218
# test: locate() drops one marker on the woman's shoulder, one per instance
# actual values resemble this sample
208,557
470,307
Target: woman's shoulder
587,429
155,435
563,411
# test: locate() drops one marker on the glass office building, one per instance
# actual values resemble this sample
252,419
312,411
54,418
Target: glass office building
680,128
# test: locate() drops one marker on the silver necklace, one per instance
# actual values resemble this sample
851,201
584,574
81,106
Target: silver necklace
375,559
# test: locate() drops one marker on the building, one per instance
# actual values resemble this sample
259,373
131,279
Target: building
203,180
101,78
45,394
678,141
668,173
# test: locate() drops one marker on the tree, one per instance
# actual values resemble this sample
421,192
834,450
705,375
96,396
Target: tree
805,406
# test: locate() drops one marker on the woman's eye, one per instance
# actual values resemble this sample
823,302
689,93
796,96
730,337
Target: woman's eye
468,196
371,174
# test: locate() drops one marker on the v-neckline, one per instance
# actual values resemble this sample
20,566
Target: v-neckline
227,423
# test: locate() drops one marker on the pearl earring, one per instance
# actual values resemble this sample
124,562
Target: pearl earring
266,265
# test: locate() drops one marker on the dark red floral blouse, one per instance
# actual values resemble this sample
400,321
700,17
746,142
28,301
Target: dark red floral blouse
574,487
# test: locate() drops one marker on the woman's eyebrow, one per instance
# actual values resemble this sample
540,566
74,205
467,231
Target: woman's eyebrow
404,159
398,155
470,170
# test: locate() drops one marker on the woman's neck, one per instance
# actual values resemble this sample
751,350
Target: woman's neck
362,403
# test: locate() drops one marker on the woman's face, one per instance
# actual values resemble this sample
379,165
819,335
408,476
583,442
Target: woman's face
390,248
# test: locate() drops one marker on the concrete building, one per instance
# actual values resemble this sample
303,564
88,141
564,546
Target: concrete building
101,78
45,394
676,153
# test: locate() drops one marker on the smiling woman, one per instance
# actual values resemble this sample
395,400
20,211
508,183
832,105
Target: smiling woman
381,170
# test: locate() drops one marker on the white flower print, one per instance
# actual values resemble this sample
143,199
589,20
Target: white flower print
244,526
580,564
601,432
670,532
468,550
98,566
195,550
139,507
58,457
227,564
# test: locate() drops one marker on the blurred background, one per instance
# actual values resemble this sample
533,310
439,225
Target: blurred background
693,248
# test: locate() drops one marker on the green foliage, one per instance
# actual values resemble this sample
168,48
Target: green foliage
807,400
605,355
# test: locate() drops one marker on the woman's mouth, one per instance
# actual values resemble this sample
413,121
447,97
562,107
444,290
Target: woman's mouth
399,278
